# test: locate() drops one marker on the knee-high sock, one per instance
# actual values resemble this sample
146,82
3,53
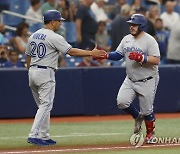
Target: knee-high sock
132,110
150,123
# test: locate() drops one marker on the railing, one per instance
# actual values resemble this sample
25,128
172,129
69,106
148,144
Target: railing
17,15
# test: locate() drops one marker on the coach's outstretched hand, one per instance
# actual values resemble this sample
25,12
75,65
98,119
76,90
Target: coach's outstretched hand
98,54
136,56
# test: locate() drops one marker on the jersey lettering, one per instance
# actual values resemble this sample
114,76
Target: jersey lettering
39,36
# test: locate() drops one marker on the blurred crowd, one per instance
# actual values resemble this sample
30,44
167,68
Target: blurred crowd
90,22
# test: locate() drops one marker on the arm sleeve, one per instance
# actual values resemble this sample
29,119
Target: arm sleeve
114,55
61,44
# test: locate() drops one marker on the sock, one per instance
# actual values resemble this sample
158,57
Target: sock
150,117
132,110
150,123
150,127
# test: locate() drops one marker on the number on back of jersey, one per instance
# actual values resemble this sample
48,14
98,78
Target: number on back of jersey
38,49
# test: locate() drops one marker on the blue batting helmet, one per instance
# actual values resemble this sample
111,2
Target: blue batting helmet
52,15
140,20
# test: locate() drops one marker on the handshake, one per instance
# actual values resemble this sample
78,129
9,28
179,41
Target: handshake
132,56
98,54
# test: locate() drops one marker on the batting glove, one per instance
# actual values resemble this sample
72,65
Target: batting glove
138,57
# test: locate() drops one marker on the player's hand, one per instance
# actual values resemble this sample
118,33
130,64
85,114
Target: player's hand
98,53
136,56
101,58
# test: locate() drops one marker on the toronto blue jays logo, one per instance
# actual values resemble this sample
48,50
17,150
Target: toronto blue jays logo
132,49
132,18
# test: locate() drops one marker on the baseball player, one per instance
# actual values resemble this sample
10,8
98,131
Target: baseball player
142,56
42,53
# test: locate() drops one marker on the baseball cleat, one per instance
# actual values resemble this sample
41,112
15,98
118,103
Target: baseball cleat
150,138
37,141
138,122
50,142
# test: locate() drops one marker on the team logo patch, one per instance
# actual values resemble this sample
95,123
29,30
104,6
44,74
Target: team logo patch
136,140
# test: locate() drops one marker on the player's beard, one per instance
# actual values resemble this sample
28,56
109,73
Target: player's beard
136,34
134,31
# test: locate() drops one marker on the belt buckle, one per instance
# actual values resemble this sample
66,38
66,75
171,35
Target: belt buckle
43,67
144,80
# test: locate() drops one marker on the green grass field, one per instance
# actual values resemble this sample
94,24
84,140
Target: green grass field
72,134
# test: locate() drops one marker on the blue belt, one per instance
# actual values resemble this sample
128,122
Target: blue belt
143,80
43,67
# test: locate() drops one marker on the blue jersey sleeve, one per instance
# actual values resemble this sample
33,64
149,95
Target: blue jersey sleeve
114,55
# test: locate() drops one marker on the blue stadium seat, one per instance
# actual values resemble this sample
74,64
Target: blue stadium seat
72,61
18,6
70,31
177,9
35,27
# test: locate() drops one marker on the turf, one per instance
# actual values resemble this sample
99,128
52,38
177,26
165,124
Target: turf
89,134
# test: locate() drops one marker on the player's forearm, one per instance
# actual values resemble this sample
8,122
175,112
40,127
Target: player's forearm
28,61
113,55
153,60
79,52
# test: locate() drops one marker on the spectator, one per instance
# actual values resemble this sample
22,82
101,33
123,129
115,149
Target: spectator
150,26
86,25
173,54
3,54
98,10
22,37
102,36
1,35
162,37
73,8
120,27
169,17
69,10
13,60
134,5
70,25
34,11
153,13
163,2
87,62
153,2
117,7
51,5
80,2
177,2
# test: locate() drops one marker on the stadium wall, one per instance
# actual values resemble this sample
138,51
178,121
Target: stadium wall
83,91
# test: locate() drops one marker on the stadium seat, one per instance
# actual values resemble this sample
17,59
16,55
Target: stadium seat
17,6
72,61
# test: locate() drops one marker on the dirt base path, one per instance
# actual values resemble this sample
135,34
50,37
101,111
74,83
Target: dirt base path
91,118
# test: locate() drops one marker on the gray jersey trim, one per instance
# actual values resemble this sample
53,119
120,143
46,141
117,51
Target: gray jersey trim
68,50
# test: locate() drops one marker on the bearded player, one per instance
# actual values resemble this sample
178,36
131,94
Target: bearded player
142,56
